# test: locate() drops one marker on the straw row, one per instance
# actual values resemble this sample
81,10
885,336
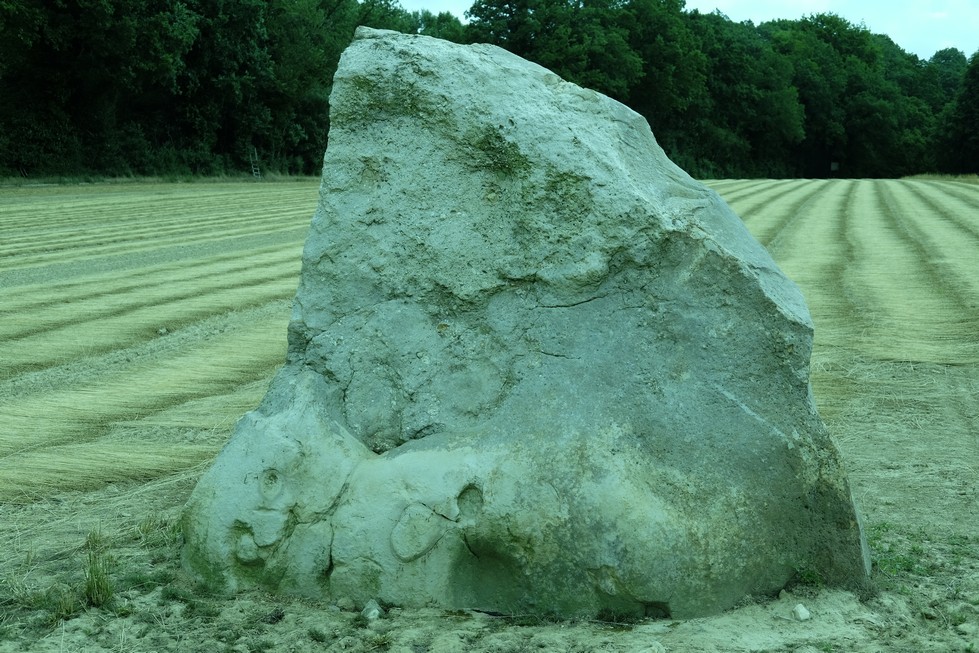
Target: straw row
130,318
772,212
748,193
915,315
124,222
123,371
891,271
49,303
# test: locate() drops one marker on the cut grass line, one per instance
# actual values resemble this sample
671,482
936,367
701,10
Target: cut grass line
91,465
214,413
54,310
719,184
27,209
743,192
33,234
949,246
114,228
814,251
905,299
778,211
71,295
967,194
131,247
116,330
947,206
812,248
749,205
84,413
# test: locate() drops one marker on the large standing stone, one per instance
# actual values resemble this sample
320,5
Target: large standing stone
533,367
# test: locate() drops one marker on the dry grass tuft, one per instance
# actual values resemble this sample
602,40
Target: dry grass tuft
93,465
966,179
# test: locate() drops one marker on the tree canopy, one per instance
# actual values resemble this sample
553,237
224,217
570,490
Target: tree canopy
137,87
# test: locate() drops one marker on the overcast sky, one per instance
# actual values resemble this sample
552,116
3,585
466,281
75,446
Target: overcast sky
921,27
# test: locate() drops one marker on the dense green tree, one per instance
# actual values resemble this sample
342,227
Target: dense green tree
854,88
584,41
870,107
963,124
949,67
755,117
227,69
154,86
385,14
672,93
819,75
942,82
197,86
919,99
443,26
306,38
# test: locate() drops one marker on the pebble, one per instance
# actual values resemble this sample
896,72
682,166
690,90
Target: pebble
372,611
801,612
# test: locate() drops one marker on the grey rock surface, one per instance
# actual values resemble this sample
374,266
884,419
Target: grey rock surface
533,367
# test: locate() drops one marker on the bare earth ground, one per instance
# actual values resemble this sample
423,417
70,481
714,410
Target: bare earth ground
138,321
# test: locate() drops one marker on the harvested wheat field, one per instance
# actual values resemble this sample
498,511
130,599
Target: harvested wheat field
138,321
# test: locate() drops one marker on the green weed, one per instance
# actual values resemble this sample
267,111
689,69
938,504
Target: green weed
98,587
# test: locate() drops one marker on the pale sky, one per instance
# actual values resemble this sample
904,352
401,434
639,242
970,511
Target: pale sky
921,27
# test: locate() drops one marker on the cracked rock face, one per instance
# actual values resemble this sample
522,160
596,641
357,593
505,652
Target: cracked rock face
533,368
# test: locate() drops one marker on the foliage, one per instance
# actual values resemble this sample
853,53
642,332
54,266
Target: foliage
754,116
124,87
98,591
585,42
198,87
963,123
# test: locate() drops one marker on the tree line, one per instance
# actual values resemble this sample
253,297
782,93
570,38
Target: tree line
196,87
